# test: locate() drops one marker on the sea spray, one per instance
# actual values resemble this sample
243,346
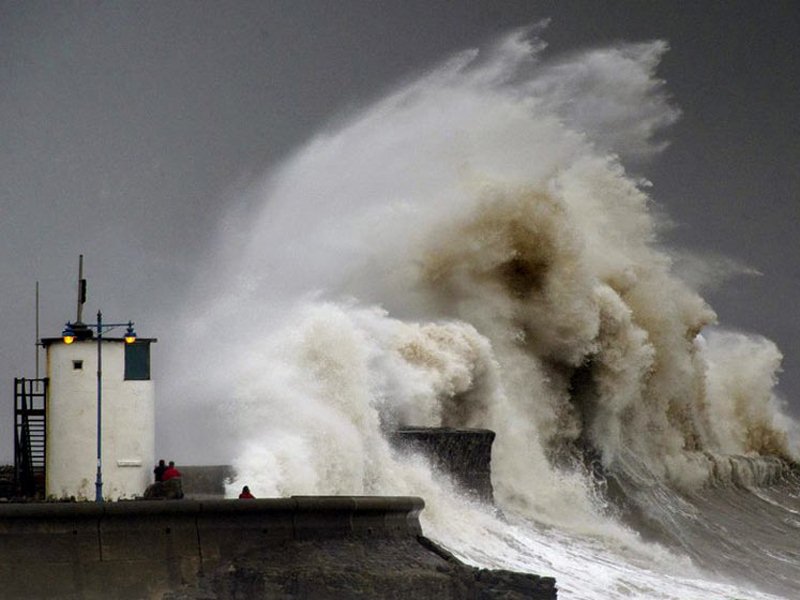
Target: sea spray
470,251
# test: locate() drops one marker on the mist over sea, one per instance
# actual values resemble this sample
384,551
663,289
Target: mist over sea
472,250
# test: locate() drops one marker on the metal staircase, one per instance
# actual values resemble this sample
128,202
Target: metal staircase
30,443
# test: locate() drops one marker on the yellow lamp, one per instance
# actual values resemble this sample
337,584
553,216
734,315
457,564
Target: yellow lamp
68,334
130,334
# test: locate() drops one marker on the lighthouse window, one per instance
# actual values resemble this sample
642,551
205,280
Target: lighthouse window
137,361
77,365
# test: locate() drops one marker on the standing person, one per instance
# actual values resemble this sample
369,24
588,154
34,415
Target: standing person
246,495
159,470
171,472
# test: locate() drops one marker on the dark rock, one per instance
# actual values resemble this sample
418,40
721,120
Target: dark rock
491,584
511,585
166,490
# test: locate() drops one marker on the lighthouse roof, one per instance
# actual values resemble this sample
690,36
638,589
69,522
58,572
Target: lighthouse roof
54,340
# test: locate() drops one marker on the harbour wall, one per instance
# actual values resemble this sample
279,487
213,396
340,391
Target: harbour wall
206,482
299,547
143,549
463,455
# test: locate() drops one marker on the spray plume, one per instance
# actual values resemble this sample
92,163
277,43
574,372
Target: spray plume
469,251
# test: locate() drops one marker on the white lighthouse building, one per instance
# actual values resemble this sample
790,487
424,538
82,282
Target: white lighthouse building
87,429
123,399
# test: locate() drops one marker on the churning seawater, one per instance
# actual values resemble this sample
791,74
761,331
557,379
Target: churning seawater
469,251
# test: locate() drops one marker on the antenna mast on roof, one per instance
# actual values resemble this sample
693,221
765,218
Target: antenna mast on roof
81,290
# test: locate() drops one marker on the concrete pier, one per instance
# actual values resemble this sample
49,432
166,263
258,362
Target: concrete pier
299,547
464,455
142,549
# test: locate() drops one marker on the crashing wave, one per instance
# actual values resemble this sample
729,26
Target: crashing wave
469,251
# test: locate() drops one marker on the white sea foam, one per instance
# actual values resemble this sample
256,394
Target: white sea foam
469,251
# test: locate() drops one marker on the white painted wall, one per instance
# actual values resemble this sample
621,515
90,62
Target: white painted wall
128,424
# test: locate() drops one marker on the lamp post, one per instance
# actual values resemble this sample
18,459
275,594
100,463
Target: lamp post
78,330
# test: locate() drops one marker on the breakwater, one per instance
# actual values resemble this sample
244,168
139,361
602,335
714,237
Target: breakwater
464,455
298,547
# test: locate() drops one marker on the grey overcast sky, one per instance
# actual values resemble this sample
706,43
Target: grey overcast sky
126,128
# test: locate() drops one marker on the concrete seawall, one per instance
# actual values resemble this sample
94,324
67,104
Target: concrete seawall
143,549
465,455
300,547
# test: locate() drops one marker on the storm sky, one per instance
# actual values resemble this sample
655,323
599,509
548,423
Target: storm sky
128,130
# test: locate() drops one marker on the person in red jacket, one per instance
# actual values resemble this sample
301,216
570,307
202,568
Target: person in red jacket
171,472
246,495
